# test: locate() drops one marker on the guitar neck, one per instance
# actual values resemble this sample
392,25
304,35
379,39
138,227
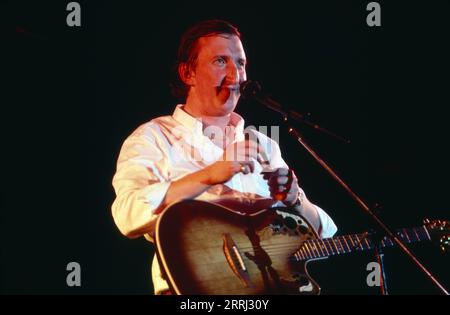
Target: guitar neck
319,248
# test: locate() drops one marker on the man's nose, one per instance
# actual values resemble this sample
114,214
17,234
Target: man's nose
233,73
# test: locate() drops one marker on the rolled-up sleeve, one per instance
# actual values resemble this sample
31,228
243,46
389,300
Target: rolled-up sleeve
310,210
140,183
327,227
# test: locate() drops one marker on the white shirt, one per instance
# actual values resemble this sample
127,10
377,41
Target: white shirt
169,147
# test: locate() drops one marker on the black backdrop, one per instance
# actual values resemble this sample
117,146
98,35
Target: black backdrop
72,95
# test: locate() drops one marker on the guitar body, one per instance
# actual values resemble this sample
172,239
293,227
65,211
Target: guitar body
205,248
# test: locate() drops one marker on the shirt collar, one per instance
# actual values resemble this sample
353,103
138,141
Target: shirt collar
196,125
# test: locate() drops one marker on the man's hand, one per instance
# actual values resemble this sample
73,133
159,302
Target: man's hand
283,185
237,157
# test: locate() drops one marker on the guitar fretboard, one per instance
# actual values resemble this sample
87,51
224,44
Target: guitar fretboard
319,248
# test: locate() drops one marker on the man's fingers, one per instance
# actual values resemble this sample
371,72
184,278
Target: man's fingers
278,180
246,167
283,171
281,183
243,150
278,188
278,172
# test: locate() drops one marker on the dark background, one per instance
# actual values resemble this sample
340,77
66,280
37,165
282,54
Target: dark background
73,94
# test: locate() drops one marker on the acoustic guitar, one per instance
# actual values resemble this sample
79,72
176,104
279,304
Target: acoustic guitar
206,248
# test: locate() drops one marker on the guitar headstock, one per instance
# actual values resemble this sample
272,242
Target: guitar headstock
439,229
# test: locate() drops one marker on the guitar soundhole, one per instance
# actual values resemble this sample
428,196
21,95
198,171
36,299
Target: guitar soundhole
290,223
287,224
303,229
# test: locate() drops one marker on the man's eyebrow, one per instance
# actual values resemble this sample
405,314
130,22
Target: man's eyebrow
242,60
221,56
227,57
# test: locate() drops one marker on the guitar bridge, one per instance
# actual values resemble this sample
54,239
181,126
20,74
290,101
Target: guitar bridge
235,260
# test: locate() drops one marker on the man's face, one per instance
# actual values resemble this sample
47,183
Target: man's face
219,70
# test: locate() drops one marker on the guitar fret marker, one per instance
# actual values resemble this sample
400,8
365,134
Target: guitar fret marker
309,252
359,242
329,246
337,243
315,250
333,242
324,246
303,251
367,242
311,247
426,231
348,247
406,234
351,240
417,235
321,253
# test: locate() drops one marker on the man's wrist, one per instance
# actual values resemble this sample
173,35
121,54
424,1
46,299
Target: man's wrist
295,203
299,201
204,176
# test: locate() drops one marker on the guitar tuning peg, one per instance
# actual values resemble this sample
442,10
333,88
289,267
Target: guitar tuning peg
445,243
426,221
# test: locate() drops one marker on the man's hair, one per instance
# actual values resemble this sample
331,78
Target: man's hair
188,52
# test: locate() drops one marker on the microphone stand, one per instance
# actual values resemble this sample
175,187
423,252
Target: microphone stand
275,106
378,251
379,256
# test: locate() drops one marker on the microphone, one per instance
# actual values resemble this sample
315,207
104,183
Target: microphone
251,90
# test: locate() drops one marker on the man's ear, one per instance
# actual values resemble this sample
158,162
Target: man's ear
186,74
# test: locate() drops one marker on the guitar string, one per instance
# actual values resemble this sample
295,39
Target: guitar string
291,254
318,250
272,251
271,248
272,254
315,241
345,243
307,256
281,250
288,252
